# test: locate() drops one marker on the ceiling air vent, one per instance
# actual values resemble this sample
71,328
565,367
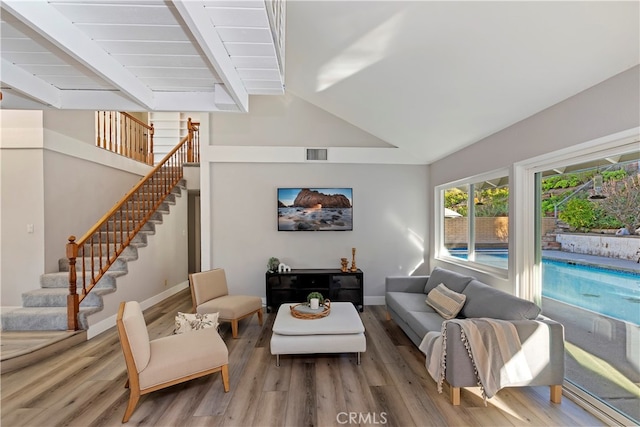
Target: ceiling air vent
316,154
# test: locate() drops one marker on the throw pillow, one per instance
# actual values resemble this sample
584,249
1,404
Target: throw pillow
445,301
186,322
452,280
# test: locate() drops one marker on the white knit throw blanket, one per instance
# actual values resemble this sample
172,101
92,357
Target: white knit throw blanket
493,346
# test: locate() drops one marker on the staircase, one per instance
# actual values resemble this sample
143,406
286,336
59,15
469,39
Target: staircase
46,308
549,239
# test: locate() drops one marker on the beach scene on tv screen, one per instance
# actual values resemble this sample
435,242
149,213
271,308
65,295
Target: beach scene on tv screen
315,209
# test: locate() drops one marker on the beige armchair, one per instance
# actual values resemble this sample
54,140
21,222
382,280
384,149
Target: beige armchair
163,362
210,294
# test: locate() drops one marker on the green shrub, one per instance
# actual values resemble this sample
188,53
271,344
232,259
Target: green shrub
616,175
579,214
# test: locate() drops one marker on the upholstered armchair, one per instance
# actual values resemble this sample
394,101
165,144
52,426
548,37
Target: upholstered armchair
163,362
210,294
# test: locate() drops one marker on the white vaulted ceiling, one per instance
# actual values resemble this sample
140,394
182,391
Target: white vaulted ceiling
431,77
198,55
428,77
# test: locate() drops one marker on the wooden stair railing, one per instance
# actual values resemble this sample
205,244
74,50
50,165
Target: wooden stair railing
122,133
116,229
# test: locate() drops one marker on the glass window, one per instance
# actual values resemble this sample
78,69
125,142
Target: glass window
475,227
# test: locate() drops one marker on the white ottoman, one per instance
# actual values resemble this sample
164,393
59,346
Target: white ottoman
341,331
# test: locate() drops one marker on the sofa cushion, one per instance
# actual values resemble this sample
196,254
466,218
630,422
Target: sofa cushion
422,322
186,322
403,302
445,301
452,280
485,301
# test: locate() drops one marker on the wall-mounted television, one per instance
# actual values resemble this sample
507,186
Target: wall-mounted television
315,209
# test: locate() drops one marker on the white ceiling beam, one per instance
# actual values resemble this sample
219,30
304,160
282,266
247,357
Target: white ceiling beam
107,100
197,20
29,85
112,100
45,19
186,101
223,100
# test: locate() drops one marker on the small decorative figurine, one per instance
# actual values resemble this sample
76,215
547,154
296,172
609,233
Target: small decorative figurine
353,260
283,268
345,265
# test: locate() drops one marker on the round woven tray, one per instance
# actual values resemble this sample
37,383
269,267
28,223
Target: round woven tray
295,312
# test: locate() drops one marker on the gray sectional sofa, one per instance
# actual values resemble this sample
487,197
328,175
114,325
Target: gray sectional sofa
542,338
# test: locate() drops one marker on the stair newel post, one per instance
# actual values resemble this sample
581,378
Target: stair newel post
189,141
73,302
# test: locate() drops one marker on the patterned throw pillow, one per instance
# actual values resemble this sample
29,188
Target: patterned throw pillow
445,301
186,322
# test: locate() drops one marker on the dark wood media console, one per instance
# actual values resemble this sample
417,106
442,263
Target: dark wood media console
295,285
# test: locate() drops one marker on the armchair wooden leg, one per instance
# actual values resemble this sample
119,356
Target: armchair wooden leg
225,377
260,317
234,328
556,393
388,315
454,395
134,396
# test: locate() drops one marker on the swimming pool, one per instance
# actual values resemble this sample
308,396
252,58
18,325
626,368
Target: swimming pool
610,292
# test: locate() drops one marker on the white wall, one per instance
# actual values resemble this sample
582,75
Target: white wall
390,221
22,203
608,108
77,193
288,121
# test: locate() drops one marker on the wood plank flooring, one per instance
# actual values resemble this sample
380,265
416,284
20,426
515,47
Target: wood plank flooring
84,386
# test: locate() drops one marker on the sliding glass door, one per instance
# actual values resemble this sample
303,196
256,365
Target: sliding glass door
589,254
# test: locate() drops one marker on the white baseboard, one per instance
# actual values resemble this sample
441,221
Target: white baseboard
374,300
110,322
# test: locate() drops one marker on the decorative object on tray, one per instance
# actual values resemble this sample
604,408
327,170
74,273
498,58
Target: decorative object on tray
345,265
353,260
283,268
273,264
303,311
315,295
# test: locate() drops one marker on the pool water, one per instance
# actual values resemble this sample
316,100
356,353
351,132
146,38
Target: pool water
613,293
610,292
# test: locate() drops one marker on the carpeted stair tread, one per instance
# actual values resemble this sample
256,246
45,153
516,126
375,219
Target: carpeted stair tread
131,252
156,217
43,319
140,239
120,264
61,280
128,225
57,297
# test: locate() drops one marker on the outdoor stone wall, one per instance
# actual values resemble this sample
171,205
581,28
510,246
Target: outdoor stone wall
548,225
622,247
